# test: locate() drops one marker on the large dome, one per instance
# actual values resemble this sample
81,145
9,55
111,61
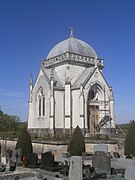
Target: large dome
72,45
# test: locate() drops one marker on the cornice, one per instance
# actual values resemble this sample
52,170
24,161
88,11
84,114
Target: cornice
73,58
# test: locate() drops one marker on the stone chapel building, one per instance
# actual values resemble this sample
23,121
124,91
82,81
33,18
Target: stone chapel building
71,90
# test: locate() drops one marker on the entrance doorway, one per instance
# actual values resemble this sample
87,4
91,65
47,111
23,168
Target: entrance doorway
93,118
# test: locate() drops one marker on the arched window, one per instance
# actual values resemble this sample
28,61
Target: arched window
39,106
41,102
91,94
95,92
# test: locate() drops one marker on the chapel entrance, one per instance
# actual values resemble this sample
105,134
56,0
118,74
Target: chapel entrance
93,118
95,96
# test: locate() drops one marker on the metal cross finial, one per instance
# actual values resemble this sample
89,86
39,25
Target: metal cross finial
71,31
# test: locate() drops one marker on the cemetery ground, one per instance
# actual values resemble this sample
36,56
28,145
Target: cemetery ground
102,159
47,165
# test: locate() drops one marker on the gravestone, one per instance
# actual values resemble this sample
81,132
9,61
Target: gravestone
101,161
15,156
2,167
3,159
12,166
116,155
19,152
33,160
128,156
66,155
3,151
88,171
9,153
75,169
8,164
100,147
65,169
47,159
130,169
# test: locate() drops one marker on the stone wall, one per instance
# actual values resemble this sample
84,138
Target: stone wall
57,149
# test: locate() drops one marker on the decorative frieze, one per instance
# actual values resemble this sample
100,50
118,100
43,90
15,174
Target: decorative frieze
73,57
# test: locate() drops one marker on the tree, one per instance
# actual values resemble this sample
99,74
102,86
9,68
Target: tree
130,140
76,145
24,143
8,124
1,112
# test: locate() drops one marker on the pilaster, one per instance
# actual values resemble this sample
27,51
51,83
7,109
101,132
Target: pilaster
52,105
68,123
112,113
30,88
30,101
82,115
68,118
86,114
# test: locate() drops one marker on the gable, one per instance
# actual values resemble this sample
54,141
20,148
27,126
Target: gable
97,78
57,81
41,81
84,77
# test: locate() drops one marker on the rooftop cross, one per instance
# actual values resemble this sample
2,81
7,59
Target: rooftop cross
71,31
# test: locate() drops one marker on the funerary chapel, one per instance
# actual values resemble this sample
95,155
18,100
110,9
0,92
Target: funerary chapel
71,90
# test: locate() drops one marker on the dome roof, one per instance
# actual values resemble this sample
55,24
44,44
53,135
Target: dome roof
72,45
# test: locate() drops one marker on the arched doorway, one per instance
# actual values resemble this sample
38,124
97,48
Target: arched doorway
95,95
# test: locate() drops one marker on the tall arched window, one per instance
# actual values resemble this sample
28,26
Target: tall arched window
39,106
94,93
41,102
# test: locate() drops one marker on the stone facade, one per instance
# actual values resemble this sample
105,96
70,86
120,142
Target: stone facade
70,90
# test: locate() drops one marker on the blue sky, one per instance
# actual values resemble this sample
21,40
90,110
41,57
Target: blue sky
30,28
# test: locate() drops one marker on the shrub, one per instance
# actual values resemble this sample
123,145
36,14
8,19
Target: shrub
130,140
24,143
76,145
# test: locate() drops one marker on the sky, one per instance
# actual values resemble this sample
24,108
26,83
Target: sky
30,28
